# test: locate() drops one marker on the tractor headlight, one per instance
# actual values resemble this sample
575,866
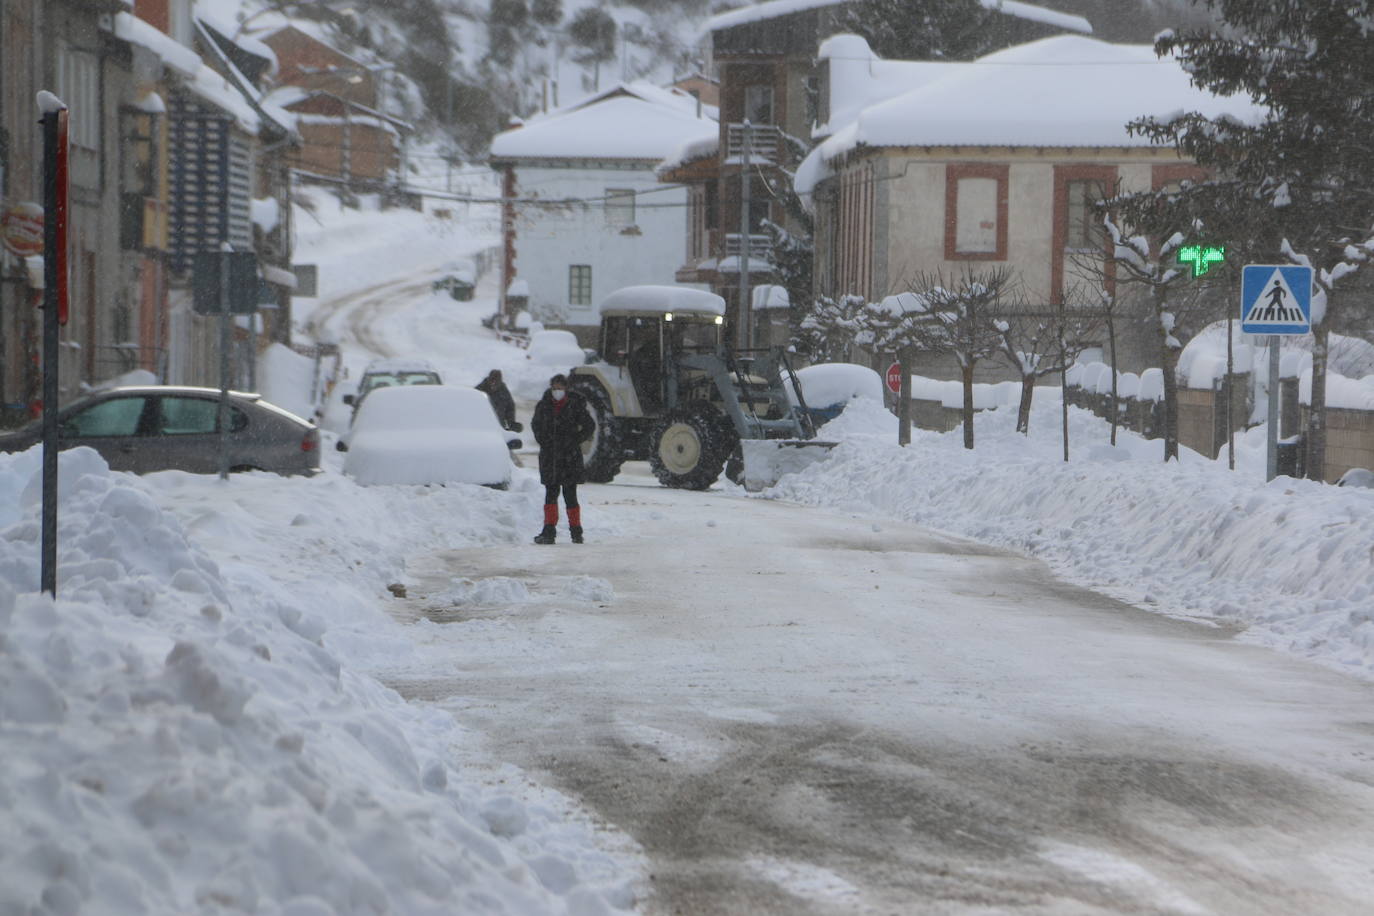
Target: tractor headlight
720,319
667,316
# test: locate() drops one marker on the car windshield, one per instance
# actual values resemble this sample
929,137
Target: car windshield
394,379
696,335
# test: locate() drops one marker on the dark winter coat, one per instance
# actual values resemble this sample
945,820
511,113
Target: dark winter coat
560,434
501,401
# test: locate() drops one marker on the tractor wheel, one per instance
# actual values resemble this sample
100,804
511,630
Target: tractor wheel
687,449
604,452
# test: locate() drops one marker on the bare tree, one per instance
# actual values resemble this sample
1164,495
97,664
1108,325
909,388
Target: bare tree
936,315
1044,342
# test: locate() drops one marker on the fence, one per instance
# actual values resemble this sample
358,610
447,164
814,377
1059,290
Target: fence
1203,418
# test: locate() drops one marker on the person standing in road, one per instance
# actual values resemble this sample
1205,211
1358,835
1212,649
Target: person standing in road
501,401
561,424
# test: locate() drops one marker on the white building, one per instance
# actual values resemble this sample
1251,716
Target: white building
585,213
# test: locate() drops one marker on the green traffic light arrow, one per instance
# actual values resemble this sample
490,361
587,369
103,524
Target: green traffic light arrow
1201,257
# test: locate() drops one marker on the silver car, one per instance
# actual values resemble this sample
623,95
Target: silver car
173,427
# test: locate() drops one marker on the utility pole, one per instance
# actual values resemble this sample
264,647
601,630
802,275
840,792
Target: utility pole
742,332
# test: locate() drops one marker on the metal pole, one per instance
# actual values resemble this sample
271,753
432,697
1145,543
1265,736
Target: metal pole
226,250
54,262
742,332
904,397
1230,394
1272,451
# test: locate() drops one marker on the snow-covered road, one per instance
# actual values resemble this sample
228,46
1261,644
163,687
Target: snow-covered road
798,710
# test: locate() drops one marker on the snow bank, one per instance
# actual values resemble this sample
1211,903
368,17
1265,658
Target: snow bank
285,378
1289,560
181,736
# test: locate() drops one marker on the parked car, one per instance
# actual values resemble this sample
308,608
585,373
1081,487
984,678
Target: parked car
425,434
557,349
173,427
390,373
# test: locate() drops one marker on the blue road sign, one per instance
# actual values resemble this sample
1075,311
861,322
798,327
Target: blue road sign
1276,299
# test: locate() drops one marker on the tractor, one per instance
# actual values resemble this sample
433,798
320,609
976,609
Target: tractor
663,387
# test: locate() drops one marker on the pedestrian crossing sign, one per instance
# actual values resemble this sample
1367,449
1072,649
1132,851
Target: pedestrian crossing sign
1276,299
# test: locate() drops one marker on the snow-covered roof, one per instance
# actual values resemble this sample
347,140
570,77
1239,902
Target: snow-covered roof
1066,90
636,125
690,151
774,8
859,78
213,14
174,55
770,296
1062,91
663,299
760,12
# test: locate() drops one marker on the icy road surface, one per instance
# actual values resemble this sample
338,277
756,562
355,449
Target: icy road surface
796,711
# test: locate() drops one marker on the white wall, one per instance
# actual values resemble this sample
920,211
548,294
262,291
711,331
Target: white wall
550,239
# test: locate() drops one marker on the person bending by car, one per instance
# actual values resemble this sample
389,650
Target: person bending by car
501,401
561,424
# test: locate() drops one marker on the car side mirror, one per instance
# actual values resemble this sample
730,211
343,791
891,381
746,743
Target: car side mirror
514,444
341,446
348,399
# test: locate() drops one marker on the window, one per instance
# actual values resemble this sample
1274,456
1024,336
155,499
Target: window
196,416
1085,230
976,212
78,84
620,207
115,417
580,284
758,104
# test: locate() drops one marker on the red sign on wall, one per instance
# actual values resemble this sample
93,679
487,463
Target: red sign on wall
21,229
894,378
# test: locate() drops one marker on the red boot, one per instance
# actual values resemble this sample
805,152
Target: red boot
550,524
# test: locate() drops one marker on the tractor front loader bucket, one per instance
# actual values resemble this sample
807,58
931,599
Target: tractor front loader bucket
767,460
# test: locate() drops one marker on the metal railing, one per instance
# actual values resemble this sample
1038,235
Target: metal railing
765,143
760,246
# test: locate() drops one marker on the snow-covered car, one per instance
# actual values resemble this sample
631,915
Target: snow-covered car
426,434
828,387
558,349
390,373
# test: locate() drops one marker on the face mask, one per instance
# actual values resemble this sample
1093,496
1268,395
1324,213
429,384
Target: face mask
559,394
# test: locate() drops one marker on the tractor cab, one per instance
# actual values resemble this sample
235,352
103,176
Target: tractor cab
645,332
667,390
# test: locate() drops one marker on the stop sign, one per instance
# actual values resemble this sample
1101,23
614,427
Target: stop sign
894,378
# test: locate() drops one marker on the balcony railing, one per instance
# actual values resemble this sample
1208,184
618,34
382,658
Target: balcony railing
765,144
760,246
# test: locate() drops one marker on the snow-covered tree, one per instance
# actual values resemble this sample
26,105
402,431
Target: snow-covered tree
1042,343
957,316
1311,64
830,328
546,12
1144,257
594,31
924,29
